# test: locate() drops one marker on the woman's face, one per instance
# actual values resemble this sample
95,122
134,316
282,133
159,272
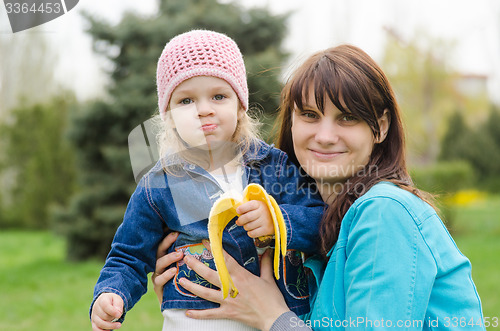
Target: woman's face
330,147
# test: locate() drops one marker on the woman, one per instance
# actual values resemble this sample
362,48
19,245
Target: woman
386,259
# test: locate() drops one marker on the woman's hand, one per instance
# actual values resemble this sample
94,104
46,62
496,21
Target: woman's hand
259,302
163,261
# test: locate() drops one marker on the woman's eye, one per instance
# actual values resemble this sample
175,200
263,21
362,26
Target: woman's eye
348,118
309,114
219,97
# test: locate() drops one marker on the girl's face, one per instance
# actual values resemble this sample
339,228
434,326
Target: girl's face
333,146
205,110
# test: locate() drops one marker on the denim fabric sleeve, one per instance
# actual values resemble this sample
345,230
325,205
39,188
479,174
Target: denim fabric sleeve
389,270
133,251
301,205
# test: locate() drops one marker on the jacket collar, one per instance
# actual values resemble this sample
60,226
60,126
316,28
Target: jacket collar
257,152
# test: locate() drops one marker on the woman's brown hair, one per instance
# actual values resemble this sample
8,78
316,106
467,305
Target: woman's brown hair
355,84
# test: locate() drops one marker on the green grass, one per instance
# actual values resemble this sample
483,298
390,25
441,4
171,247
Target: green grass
476,230
40,291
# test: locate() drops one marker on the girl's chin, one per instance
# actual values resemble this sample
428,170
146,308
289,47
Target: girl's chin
213,145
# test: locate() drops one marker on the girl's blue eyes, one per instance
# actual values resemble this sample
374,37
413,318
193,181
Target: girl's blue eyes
187,101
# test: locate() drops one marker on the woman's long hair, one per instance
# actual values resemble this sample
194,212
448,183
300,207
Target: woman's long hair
354,83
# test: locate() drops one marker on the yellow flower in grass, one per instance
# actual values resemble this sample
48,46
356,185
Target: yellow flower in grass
466,197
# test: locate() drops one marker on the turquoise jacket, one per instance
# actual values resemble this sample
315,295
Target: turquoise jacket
394,266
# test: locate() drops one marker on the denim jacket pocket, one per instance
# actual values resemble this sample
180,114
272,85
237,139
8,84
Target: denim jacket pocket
295,278
199,252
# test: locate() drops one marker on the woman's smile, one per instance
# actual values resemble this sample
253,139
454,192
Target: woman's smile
325,155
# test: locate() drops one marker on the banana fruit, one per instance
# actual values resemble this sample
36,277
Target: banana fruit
223,211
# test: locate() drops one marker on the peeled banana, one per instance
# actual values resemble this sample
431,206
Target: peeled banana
223,211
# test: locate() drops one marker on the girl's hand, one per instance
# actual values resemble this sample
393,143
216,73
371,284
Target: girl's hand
107,308
255,219
259,302
162,275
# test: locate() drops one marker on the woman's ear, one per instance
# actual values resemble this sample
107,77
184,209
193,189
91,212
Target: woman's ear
384,122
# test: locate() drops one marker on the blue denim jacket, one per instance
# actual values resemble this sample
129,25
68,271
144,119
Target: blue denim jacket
394,266
181,202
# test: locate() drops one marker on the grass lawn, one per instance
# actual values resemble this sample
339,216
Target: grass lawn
476,231
40,291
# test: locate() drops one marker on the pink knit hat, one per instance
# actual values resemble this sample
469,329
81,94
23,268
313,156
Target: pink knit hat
200,53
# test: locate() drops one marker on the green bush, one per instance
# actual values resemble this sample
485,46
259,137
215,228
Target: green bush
478,145
36,164
492,184
444,178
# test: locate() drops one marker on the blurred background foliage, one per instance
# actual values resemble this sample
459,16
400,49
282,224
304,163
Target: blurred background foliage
37,165
66,176
65,165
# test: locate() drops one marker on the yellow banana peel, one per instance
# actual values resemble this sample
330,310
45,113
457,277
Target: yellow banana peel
223,211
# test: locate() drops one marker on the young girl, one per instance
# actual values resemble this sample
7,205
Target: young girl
207,147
